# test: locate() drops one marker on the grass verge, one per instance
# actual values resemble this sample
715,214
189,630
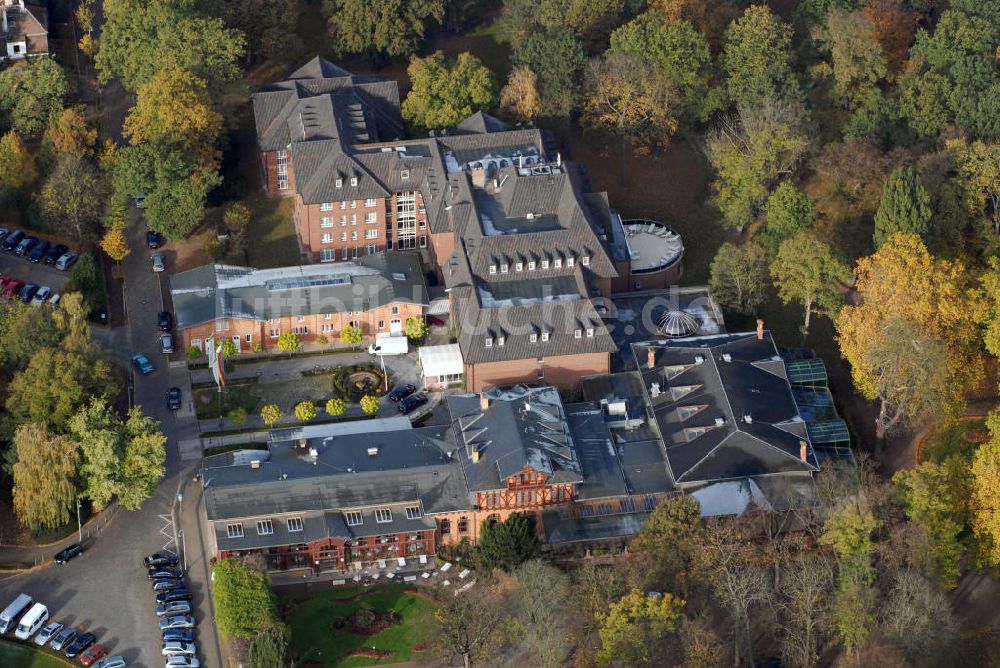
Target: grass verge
13,655
316,643
209,403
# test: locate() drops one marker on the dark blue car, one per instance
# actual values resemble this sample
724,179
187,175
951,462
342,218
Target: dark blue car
142,363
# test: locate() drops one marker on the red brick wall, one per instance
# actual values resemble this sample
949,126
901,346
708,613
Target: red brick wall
562,371
269,162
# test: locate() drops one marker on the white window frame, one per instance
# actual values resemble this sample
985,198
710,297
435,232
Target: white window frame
500,341
557,263
339,183
371,218
489,342
577,333
531,265
404,174
265,527
328,255
519,266
413,513
354,518
533,337
585,260
326,206
235,530
326,239
590,332
383,515
354,182
326,222
294,524
282,169
545,336
570,261
370,203
545,264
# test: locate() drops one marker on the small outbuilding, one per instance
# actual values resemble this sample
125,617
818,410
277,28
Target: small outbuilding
441,365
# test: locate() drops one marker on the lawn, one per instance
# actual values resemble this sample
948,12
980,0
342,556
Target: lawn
19,656
316,642
209,404
960,438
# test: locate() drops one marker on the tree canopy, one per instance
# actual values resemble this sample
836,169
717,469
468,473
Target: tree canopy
739,276
243,603
806,270
757,58
557,59
905,207
44,489
381,28
507,544
74,197
32,94
443,94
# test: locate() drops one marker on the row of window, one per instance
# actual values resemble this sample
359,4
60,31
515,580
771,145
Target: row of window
534,336
557,263
264,527
369,234
354,518
328,206
327,221
352,253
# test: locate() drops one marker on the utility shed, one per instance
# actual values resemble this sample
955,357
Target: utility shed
441,365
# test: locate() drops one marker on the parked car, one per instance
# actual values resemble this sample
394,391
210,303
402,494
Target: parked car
63,638
11,241
411,403
93,654
3,233
115,661
180,635
174,398
157,259
156,573
173,608
55,253
66,260
165,321
55,299
46,634
153,239
175,648
73,550
41,296
80,644
27,292
173,595
158,559
180,661
401,392
434,322
12,288
166,584
142,363
166,343
177,622
39,251
26,245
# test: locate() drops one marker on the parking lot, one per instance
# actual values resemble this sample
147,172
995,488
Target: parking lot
39,273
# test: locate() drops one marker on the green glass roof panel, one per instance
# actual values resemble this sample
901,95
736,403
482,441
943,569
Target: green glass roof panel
807,372
831,431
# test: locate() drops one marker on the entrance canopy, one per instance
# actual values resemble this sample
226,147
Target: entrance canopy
443,360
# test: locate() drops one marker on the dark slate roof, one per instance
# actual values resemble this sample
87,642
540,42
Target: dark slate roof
723,407
221,291
559,529
411,466
522,428
482,123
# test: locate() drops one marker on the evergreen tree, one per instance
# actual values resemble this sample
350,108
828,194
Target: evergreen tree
508,544
905,207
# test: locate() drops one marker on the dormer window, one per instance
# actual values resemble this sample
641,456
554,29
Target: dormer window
533,337
577,333
339,183
557,263
545,336
404,174
354,181
590,332
493,269
519,266
545,264
500,341
504,268
531,265
489,341
585,260
570,261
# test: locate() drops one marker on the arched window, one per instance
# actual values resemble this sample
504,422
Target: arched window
445,527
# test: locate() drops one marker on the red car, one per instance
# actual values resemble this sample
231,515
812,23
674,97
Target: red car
93,654
11,289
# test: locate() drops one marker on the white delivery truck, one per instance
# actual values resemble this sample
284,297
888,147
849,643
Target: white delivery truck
387,344
32,621
13,612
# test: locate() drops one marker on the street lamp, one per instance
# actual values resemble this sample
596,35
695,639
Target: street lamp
79,524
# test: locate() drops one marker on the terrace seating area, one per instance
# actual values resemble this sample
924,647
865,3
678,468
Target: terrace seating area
653,246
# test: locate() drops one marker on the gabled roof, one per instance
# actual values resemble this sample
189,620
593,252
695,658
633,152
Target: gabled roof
723,407
482,123
217,291
521,428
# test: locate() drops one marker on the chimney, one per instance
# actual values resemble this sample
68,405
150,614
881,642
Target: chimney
650,358
760,330
302,443
475,454
255,464
484,401
803,451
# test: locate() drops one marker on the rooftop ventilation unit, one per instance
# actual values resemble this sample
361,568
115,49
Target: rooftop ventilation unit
719,421
313,452
654,390
699,359
372,452
748,418
726,357
255,464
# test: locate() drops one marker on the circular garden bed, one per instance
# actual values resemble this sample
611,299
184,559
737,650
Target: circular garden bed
354,382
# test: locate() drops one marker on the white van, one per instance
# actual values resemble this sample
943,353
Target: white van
32,621
13,612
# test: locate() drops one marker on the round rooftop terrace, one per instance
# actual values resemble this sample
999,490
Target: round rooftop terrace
653,246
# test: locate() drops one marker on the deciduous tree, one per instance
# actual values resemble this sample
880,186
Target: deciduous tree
634,626
270,414
267,25
32,92
739,276
913,341
23,332
506,545
381,28
238,416
858,61
671,539
142,462
471,630
102,445
69,134
631,101
335,407
804,609
74,196
806,270
369,404
443,94
115,244
986,493
351,335
905,207
269,647
17,167
893,26
228,347
919,618
557,58
43,475
757,58
305,410
789,211
415,328
538,618
288,342
519,99
243,603
979,165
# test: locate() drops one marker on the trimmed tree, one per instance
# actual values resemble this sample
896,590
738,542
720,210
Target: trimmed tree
415,328
270,414
351,335
115,244
335,407
243,603
305,410
228,348
905,207
288,342
194,353
238,416
508,544
369,404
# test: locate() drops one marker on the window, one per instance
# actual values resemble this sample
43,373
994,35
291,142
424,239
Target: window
218,325
394,310
354,235
370,249
326,239
343,237
445,527
423,223
370,218
265,528
570,261
353,518
235,530
340,183
196,343
383,515
493,269
302,330
327,254
531,265
545,264
343,252
294,524
302,318
327,327
249,338
489,342
371,234
557,263
577,333
343,205
463,525
327,316
326,206
282,170
326,221
354,182
423,242
545,336
519,266
504,268
354,219
274,332
406,220
381,324
500,341
404,174
585,260
370,203
343,221
533,337
413,512
590,332
354,204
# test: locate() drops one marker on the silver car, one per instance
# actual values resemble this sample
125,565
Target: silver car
173,608
157,259
166,343
111,662
175,647
45,635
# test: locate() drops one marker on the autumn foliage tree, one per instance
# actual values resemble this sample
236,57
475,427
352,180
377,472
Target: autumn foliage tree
635,624
115,244
70,134
17,167
44,489
519,97
443,93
